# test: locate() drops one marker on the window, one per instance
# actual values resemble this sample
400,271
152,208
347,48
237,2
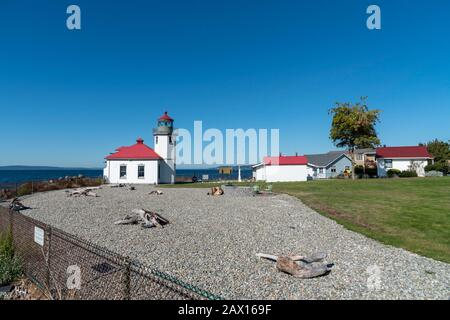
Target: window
359,156
156,140
388,163
170,139
141,171
320,170
123,171
333,169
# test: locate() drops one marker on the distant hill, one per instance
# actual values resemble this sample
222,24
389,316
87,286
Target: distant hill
9,168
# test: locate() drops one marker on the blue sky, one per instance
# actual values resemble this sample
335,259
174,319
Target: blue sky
68,98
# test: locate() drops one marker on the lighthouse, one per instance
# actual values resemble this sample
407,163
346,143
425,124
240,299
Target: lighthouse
164,145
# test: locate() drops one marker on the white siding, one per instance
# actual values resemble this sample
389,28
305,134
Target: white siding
402,165
165,147
112,171
281,173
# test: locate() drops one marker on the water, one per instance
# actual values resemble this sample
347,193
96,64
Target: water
20,176
213,174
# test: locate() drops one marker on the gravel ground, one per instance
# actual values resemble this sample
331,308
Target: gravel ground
212,241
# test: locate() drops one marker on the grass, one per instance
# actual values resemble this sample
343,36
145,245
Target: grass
411,213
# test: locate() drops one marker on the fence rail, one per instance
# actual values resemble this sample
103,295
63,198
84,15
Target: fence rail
67,267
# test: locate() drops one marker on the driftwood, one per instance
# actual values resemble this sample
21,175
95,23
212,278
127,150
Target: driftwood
120,185
300,266
148,219
83,192
16,205
216,191
157,192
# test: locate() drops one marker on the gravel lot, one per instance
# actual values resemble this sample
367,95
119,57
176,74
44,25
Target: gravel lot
212,241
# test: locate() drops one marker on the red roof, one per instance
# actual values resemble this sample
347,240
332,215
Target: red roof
165,116
403,152
136,151
285,160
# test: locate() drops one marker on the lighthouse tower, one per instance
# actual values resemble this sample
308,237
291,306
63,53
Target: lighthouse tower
165,147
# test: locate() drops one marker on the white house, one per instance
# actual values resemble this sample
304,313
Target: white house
403,158
281,169
141,164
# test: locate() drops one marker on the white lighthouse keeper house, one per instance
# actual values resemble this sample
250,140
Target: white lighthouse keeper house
140,164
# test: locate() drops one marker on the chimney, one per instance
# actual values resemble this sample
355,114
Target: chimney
296,154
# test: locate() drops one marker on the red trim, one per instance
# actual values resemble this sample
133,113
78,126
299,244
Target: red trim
165,116
136,151
285,160
403,152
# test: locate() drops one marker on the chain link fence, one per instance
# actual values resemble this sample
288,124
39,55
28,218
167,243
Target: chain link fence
67,267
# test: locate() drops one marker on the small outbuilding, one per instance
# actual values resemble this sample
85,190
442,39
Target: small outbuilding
414,158
281,169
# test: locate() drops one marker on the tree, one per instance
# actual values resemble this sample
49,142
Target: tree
440,150
353,127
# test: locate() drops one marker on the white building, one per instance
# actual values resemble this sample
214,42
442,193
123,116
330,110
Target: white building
141,164
281,169
403,158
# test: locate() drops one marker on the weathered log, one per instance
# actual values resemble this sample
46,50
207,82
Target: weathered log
147,218
16,205
83,192
305,271
216,191
157,192
300,266
120,185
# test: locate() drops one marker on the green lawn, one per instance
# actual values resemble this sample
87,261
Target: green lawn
410,213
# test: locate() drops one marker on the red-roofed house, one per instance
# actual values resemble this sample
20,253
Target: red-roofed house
281,169
413,158
139,163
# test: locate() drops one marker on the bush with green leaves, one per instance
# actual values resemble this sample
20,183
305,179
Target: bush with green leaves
10,264
361,171
408,174
393,172
442,167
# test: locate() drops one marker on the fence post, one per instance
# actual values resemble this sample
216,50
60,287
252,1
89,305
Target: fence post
48,257
11,222
127,279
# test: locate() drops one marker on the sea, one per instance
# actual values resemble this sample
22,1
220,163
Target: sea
13,177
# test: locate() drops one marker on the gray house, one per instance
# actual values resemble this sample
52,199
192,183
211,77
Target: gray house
328,165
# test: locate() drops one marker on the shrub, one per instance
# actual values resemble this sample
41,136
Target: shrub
393,172
442,167
408,174
24,189
372,172
359,170
367,172
434,174
10,264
